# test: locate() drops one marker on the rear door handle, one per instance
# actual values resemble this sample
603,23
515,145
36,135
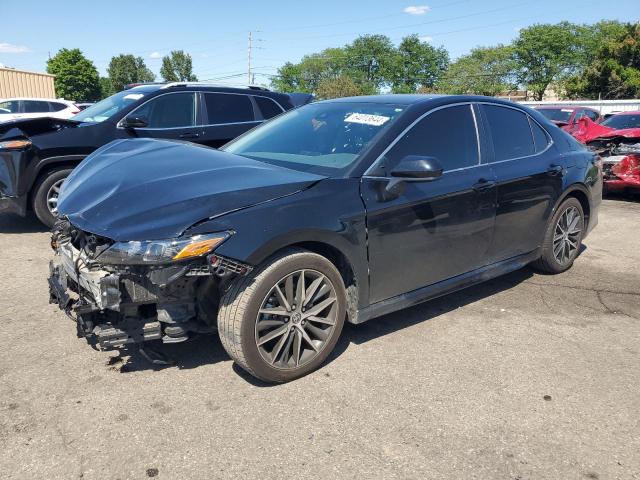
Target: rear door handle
555,170
483,185
190,135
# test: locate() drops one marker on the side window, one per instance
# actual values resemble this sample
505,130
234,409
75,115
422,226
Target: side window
228,108
57,106
540,137
9,106
593,115
510,132
173,110
448,134
579,115
269,108
35,106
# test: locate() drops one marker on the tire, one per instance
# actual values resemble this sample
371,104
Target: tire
549,262
42,190
242,327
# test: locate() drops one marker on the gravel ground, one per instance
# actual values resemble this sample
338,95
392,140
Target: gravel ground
525,377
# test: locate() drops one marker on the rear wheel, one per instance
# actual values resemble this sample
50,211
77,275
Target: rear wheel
563,238
45,196
282,320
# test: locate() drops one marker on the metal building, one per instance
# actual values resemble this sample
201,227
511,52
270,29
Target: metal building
20,83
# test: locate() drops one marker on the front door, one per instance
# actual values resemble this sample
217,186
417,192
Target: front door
172,116
429,231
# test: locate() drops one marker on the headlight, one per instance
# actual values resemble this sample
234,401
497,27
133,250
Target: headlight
14,144
156,252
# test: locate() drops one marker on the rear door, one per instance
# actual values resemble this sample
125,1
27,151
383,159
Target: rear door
430,230
529,179
226,116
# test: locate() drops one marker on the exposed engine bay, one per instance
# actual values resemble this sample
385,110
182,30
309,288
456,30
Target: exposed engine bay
620,161
116,305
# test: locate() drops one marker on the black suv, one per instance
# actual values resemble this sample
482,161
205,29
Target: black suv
345,209
36,155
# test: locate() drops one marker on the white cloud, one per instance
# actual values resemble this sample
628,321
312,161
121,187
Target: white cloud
425,38
10,48
417,10
155,55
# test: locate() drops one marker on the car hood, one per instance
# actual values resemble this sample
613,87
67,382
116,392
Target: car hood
153,189
32,127
588,130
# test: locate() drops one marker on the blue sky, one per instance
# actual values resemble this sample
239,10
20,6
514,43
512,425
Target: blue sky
215,32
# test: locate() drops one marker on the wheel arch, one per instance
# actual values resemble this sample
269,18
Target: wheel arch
355,280
580,192
48,165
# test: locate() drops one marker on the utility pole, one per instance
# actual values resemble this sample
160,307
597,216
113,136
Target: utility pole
249,57
250,74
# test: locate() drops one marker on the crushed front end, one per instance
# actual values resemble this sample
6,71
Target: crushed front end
131,292
620,162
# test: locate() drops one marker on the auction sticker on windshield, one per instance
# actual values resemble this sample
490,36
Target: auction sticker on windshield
367,119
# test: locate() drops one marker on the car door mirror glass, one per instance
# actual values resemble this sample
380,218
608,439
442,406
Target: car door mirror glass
135,121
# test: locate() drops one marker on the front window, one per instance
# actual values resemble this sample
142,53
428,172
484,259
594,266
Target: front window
104,109
620,122
557,114
320,138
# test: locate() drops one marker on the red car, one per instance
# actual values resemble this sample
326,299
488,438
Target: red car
617,140
566,116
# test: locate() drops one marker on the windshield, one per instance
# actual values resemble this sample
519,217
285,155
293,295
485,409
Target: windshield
557,114
108,107
623,121
319,138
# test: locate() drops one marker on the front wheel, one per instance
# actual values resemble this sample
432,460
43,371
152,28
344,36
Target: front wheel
563,238
282,320
45,195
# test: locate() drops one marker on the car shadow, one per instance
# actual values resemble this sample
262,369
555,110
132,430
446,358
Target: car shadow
13,224
207,349
622,197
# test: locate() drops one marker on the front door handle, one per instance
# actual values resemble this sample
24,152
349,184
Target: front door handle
190,135
555,170
483,185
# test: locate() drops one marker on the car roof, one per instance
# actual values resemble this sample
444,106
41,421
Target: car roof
423,99
36,99
566,107
635,112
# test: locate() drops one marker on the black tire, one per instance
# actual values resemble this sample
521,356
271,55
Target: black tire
239,311
548,262
41,190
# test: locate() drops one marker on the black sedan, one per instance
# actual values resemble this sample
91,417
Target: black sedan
340,210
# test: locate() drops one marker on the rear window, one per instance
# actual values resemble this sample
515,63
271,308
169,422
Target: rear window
269,108
510,132
228,108
540,137
57,106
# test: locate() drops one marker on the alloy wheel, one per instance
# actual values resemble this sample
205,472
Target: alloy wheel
566,236
296,319
52,196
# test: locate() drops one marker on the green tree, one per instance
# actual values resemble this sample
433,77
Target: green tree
338,87
416,64
76,77
369,61
484,71
548,53
125,69
106,87
615,70
177,67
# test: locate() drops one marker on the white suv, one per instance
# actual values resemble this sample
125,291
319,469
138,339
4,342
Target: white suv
13,108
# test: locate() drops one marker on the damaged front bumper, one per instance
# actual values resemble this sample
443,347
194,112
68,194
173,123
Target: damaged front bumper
116,306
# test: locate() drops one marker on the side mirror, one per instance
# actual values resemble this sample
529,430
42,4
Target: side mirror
414,167
134,121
